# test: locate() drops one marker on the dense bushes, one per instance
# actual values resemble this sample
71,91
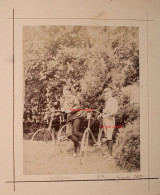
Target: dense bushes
128,111
90,57
127,147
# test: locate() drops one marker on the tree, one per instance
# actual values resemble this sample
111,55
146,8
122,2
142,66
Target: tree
91,58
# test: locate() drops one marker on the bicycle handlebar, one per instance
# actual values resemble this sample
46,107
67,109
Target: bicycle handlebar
89,111
96,111
58,111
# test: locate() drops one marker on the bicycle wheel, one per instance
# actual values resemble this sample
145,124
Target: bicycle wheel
101,136
84,146
43,139
64,143
42,135
101,142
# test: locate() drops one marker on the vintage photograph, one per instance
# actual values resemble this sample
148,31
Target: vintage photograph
81,95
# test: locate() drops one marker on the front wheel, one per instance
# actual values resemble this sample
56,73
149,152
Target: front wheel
101,136
84,146
44,141
64,143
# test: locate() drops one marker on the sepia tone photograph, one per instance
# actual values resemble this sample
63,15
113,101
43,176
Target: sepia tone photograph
81,111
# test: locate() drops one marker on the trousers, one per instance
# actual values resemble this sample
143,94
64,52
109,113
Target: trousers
72,128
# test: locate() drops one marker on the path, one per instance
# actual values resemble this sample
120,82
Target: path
40,160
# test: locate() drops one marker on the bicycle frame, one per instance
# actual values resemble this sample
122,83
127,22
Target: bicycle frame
49,126
85,138
89,123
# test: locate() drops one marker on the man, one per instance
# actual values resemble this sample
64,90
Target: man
70,104
109,112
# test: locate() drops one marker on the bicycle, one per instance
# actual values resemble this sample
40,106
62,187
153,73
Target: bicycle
85,139
63,142
46,135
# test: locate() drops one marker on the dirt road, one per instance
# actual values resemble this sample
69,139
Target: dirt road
41,159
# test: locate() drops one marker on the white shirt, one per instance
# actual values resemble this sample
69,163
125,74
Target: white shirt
111,106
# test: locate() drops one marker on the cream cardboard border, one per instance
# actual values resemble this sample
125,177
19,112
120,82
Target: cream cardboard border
147,50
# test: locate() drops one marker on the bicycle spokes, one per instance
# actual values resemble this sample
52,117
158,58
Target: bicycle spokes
64,143
84,146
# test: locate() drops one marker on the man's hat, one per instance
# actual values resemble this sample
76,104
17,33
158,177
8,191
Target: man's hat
107,90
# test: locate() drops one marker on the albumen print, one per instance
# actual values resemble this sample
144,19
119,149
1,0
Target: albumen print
81,100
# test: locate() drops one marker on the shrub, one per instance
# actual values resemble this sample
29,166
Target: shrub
127,147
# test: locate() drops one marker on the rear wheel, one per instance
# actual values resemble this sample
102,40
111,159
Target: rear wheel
64,143
84,146
42,135
44,138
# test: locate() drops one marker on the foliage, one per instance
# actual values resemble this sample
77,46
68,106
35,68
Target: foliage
87,58
128,111
127,147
